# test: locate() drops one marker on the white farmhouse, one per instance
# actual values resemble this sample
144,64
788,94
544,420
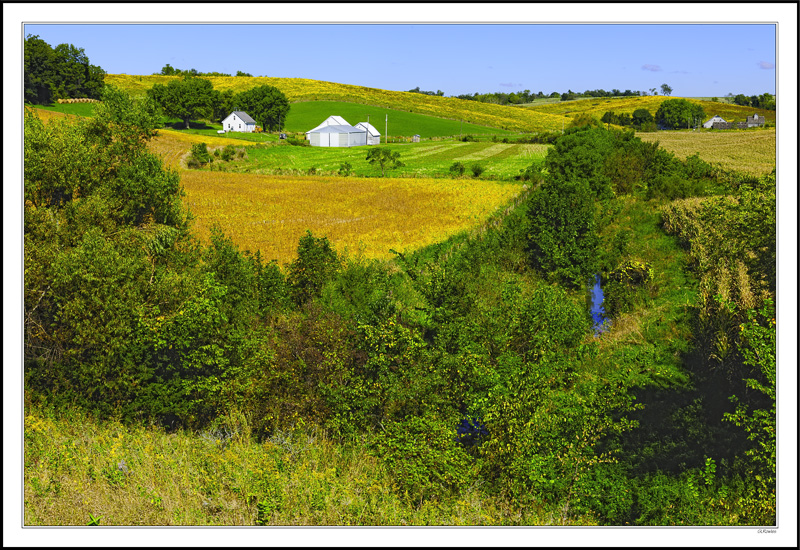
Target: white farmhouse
710,122
337,132
373,136
239,121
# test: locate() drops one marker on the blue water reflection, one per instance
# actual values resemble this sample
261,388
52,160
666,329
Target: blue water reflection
598,311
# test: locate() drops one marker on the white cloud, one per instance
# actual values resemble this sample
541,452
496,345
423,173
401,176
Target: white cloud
654,68
766,65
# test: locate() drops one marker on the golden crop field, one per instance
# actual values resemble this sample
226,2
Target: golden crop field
366,215
301,89
750,151
597,107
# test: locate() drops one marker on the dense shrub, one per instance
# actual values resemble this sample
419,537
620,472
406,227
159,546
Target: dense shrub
457,169
316,263
476,170
563,231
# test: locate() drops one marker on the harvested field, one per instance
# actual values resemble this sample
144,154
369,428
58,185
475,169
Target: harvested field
749,151
371,215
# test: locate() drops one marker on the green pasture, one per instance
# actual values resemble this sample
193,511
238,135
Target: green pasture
304,116
426,159
79,109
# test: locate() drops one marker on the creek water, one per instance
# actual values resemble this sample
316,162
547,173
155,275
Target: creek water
598,311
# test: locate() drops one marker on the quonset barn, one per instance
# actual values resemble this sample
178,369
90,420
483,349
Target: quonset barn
337,132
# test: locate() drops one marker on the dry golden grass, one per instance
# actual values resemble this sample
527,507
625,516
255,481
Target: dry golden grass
370,215
172,146
46,115
749,151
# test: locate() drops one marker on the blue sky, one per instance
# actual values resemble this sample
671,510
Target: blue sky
694,59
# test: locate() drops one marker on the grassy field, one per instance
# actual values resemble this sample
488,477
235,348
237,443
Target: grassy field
749,151
424,159
366,215
304,116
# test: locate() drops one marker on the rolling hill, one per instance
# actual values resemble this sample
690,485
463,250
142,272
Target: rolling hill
299,90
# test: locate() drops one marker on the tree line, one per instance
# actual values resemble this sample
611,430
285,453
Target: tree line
764,101
169,70
63,72
526,96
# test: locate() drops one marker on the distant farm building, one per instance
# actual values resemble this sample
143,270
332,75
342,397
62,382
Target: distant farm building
752,122
711,121
755,120
373,136
415,138
337,132
239,121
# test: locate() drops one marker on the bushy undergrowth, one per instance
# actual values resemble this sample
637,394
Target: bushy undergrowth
341,390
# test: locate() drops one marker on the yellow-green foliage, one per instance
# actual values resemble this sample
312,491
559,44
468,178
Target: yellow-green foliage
749,151
78,468
372,215
301,89
599,106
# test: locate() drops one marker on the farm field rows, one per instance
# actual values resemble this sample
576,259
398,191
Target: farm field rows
750,151
427,159
370,215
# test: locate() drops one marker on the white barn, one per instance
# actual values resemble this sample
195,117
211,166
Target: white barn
239,121
337,132
710,122
330,121
337,135
373,136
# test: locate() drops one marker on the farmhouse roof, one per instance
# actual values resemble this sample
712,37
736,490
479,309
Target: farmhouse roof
338,129
331,121
369,128
244,116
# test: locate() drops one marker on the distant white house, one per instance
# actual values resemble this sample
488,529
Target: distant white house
373,136
239,121
337,132
710,122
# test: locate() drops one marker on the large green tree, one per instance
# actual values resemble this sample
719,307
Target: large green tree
189,98
679,113
266,104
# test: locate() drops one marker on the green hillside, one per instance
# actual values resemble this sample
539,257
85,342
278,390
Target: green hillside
308,114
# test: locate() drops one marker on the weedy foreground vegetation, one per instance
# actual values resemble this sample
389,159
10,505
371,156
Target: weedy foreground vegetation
171,380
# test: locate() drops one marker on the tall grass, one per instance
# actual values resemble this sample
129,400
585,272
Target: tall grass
79,468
